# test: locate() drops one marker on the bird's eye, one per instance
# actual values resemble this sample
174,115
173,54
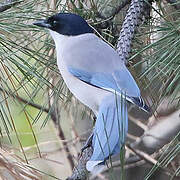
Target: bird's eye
54,23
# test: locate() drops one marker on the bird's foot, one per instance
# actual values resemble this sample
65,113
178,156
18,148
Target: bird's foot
87,144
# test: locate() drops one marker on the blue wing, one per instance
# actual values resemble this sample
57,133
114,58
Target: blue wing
101,80
120,81
110,130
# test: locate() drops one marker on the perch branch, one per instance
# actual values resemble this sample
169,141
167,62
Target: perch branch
80,172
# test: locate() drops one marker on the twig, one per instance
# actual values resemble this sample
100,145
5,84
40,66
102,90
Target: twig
138,122
107,20
131,162
143,155
16,168
174,3
13,95
121,6
61,135
8,4
115,11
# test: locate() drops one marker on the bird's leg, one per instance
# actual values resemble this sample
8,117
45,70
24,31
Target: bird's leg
88,143
94,118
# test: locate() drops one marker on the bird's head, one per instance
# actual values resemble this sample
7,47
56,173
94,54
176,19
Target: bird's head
66,24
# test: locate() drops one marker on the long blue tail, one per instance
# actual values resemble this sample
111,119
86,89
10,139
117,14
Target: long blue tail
110,130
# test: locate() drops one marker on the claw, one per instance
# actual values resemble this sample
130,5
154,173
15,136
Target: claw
87,144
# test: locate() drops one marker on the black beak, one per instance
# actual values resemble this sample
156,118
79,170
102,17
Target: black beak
42,23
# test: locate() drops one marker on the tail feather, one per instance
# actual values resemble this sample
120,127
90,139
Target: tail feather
94,166
110,130
140,103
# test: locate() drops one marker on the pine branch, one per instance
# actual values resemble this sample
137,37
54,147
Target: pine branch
20,99
115,11
80,172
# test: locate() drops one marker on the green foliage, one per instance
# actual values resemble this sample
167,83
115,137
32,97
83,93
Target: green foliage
28,63
161,55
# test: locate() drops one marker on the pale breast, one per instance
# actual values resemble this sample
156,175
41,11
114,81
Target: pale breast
87,94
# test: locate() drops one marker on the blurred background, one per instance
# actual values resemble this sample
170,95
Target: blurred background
43,127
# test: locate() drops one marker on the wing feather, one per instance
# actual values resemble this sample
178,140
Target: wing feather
113,82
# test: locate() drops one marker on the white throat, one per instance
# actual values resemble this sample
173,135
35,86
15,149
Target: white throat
59,39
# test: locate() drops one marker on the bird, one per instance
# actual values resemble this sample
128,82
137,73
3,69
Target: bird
94,73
